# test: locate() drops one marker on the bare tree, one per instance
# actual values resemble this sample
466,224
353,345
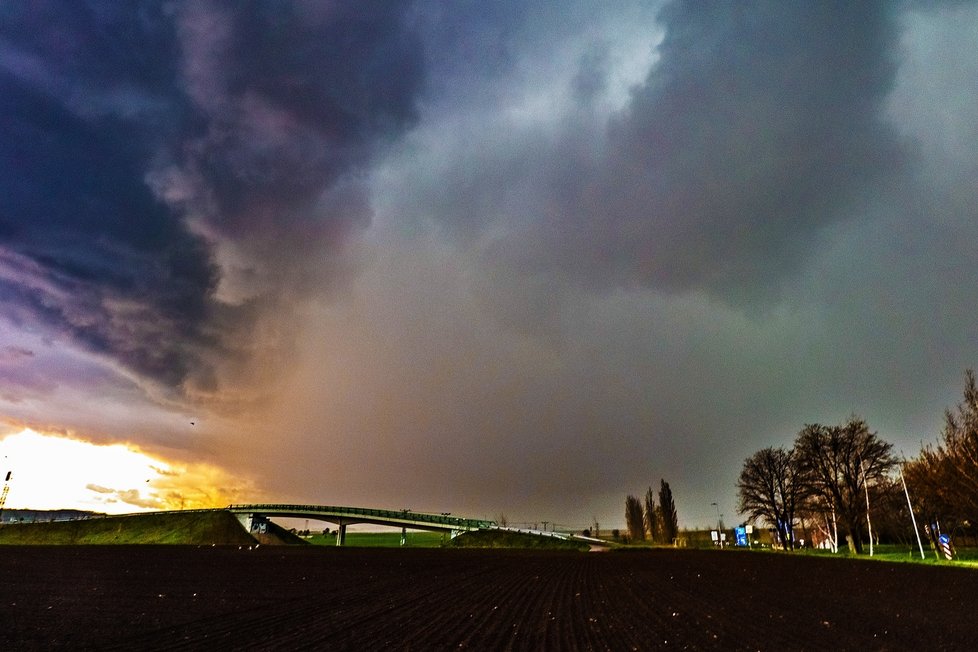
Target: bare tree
945,477
634,520
836,462
771,488
651,516
819,513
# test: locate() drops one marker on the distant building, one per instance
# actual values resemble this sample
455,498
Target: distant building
44,515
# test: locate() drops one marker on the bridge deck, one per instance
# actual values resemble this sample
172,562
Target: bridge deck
351,515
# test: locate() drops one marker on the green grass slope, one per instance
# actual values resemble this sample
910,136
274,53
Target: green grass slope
504,539
189,528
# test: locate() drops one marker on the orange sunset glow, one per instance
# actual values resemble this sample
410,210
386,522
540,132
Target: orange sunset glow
57,472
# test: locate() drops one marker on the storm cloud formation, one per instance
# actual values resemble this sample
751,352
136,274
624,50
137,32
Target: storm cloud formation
762,123
759,124
159,161
508,256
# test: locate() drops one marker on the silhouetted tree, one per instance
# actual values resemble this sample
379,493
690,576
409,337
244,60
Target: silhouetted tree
651,516
634,519
836,462
771,488
669,521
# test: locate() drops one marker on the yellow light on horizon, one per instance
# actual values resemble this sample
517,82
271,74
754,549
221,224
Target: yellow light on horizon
59,472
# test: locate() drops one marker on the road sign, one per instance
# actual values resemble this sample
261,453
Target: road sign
741,533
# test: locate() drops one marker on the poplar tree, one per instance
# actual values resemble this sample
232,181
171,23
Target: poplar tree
669,522
634,519
651,516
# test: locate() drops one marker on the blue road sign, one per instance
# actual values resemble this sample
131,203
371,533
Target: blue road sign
741,536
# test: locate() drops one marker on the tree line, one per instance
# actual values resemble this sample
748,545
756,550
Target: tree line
649,520
945,475
846,479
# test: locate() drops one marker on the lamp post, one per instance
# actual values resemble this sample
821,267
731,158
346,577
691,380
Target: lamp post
719,530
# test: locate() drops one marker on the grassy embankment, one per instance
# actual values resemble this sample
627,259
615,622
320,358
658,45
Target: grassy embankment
504,539
885,552
902,553
189,528
420,539
222,528
964,556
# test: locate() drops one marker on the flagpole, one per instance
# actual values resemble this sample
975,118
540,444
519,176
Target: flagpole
912,517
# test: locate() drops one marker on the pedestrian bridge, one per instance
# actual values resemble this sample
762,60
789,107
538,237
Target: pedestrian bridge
253,517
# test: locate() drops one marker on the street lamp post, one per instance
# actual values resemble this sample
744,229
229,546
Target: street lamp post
719,530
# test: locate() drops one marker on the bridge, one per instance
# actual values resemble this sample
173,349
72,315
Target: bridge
253,517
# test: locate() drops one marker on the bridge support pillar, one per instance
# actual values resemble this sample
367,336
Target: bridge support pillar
245,520
341,534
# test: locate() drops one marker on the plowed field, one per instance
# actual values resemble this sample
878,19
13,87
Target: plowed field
277,598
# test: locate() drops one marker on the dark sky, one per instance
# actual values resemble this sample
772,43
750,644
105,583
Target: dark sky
486,258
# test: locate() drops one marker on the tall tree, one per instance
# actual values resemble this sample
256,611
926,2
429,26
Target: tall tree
669,523
634,520
836,462
651,516
771,488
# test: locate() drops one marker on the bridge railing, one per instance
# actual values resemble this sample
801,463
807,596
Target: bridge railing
383,514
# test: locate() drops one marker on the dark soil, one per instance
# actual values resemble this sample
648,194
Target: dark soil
268,598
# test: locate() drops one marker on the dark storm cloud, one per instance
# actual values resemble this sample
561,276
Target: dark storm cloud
759,124
82,234
141,141
293,96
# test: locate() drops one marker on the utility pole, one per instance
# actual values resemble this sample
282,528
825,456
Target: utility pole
869,524
913,518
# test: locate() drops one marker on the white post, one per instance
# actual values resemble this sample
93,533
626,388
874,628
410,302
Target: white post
912,517
835,531
869,524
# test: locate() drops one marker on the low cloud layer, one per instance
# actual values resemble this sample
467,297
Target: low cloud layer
486,257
